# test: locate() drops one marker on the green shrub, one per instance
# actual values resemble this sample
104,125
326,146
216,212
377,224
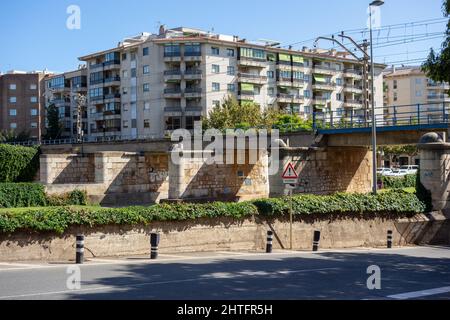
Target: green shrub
73,198
423,194
14,195
408,181
59,219
395,202
18,164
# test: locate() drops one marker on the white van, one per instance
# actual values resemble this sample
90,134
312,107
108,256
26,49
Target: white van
410,169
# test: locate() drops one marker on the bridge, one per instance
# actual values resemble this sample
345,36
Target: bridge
396,125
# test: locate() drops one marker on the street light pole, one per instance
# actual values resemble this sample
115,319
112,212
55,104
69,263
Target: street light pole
376,3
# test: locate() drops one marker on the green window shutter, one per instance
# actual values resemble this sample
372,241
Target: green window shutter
271,57
297,59
247,87
319,78
284,57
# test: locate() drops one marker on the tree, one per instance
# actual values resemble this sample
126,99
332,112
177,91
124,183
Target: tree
13,136
231,115
287,122
437,66
54,128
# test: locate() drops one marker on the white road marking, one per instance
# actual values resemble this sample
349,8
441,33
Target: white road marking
209,277
419,294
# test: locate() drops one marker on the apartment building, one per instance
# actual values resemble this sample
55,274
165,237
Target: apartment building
407,87
22,102
63,90
152,84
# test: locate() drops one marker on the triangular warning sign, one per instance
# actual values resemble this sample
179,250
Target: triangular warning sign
290,172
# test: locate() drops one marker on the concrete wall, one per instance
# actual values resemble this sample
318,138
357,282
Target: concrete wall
227,234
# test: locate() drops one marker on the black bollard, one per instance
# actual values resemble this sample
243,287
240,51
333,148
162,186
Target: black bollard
389,239
154,243
269,241
80,249
316,240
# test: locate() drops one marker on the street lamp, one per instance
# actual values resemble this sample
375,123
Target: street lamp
376,3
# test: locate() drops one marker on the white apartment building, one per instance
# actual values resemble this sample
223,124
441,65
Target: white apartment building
407,87
61,90
152,84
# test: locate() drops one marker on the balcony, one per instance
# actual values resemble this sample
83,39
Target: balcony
110,65
290,98
61,102
173,112
96,100
438,86
350,103
321,100
252,62
112,97
298,83
112,81
111,113
193,92
353,88
438,97
172,75
353,73
193,111
324,70
252,78
172,56
324,86
246,95
193,74
172,93
192,56
284,82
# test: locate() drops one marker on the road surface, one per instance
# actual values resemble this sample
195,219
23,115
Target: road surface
406,273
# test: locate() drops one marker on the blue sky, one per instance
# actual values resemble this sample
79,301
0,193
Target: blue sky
34,34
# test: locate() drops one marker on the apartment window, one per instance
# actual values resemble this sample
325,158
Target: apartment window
215,86
419,81
125,107
253,53
418,93
146,87
215,68
172,50
125,123
270,74
215,51
12,112
125,74
307,109
339,97
271,91
339,111
395,84
339,81
13,125
146,123
230,70
33,112
33,86
146,69
192,49
12,100
307,78
124,90
307,94
145,51
230,52
231,87
395,96
33,99
12,86
133,56
173,123
216,103
124,56
298,75
133,72
34,125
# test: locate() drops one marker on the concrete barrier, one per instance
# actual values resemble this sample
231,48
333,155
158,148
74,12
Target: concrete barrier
224,234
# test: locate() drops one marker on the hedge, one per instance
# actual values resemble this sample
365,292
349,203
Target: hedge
20,195
18,164
59,219
408,181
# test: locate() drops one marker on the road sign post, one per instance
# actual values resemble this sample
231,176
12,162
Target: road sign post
290,178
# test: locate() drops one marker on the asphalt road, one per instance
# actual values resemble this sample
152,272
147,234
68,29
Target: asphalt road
407,273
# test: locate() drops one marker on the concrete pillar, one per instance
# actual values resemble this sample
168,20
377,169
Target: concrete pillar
177,184
45,170
435,168
101,161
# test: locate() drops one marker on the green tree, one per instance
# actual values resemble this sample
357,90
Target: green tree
13,136
287,122
437,66
54,129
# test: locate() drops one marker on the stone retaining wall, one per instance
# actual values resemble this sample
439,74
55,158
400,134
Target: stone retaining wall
227,234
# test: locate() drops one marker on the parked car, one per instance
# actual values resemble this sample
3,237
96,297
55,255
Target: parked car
410,169
384,171
397,173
